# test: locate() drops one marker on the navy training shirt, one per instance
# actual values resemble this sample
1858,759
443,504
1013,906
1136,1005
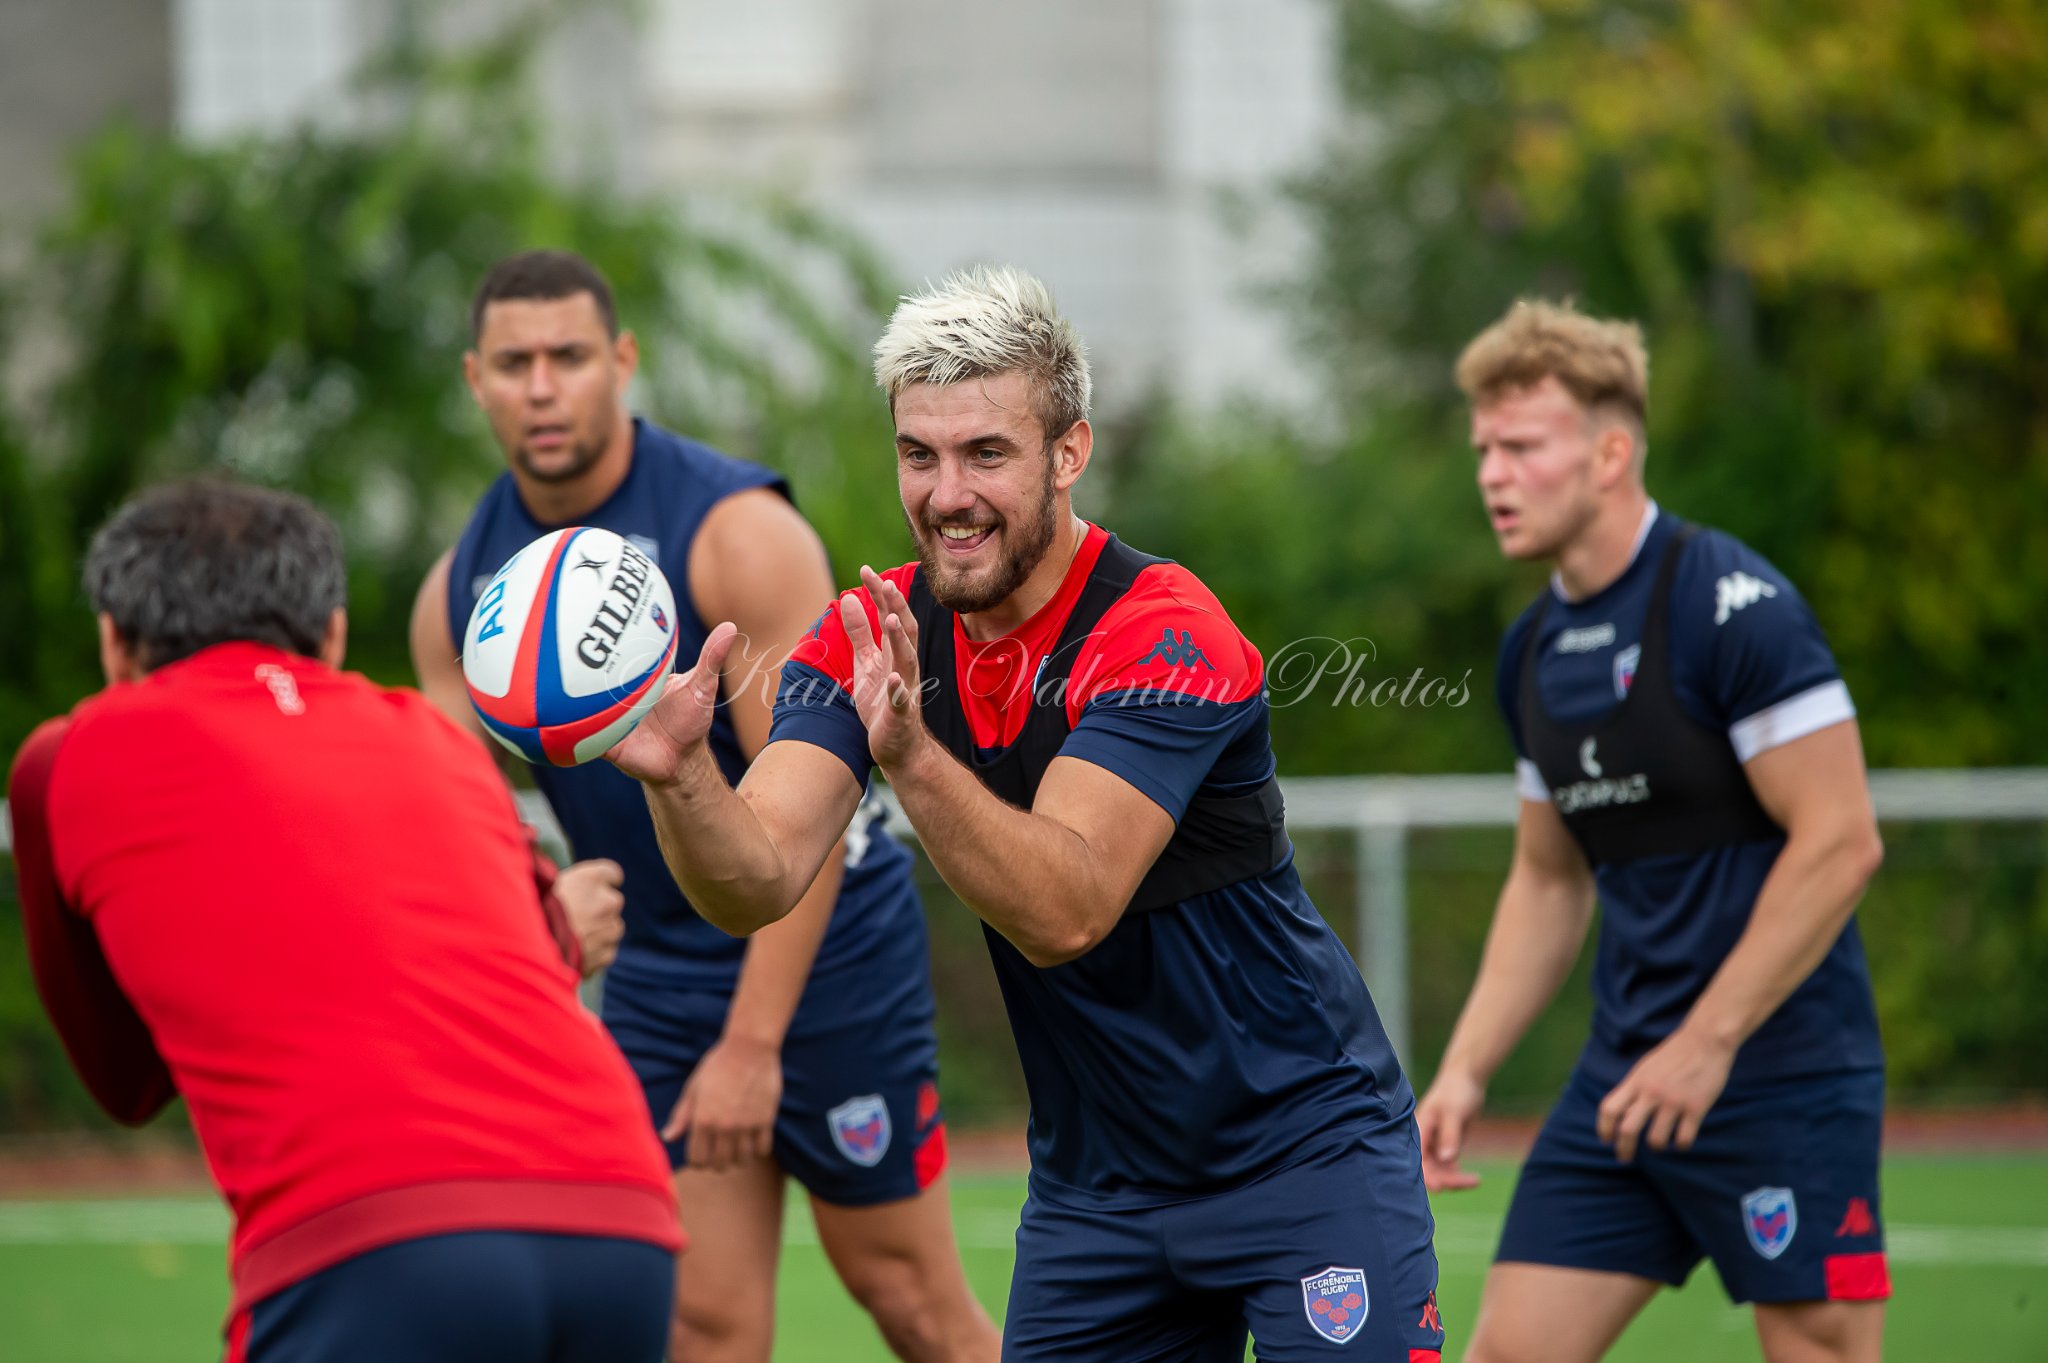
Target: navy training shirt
1748,659
1200,1045
672,485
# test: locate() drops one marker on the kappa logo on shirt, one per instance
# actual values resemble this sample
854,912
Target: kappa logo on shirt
1736,591
1177,653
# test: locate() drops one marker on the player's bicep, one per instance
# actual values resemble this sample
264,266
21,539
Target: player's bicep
759,564
1814,781
804,797
1123,828
436,660
1546,856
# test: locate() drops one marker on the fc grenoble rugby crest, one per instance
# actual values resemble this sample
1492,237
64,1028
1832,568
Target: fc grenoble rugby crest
1625,669
1336,1302
1770,1218
860,1128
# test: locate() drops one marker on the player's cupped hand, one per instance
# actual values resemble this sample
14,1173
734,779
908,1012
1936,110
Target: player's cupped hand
728,1106
655,750
886,681
589,894
1441,1120
1663,1100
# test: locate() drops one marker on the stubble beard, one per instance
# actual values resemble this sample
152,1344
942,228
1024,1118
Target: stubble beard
1024,547
584,455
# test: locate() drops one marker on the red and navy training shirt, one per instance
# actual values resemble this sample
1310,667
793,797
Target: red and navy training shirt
1197,1046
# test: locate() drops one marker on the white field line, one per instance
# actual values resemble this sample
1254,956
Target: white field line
189,1221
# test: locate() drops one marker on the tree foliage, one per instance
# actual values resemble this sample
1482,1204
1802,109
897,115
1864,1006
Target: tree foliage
294,309
1832,219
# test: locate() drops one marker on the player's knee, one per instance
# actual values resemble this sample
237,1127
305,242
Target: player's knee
1492,1345
708,1330
1504,1351
909,1310
1821,1332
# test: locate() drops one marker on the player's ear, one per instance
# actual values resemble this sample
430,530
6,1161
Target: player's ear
1070,454
1617,453
334,639
117,657
626,354
472,372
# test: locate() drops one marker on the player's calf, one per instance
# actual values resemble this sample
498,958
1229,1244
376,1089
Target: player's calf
899,1262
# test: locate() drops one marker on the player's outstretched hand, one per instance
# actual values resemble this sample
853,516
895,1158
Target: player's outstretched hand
1662,1101
728,1106
885,675
1441,1119
654,751
589,894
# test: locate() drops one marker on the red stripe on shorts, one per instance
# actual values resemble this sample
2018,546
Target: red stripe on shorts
238,1339
1425,1356
930,1159
1858,1277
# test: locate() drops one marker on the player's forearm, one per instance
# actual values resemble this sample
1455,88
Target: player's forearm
1538,928
779,958
1030,878
721,856
1800,912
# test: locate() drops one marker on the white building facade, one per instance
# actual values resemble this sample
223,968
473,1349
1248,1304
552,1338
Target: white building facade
1131,152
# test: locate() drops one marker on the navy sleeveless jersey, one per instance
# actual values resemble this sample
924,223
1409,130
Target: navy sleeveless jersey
672,484
1211,1040
1746,659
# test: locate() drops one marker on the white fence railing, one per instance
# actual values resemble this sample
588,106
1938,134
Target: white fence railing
1378,811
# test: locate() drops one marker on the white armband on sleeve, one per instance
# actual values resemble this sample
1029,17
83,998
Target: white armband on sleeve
1794,717
1529,782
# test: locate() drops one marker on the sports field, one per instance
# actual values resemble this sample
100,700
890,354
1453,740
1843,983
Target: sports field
115,1280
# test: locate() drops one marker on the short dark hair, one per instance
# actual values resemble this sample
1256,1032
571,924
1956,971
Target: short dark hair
208,561
543,275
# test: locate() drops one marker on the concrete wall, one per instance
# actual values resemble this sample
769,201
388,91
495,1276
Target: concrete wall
65,67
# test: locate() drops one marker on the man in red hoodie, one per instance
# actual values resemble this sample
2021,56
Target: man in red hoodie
306,904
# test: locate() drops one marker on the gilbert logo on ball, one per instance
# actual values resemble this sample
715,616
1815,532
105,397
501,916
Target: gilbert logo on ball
569,645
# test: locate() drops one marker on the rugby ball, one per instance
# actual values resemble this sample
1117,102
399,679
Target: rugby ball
569,645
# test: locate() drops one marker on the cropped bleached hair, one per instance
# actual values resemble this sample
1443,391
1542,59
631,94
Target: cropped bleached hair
984,321
1600,362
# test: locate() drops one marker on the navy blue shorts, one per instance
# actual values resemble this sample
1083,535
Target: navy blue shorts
861,1122
473,1297
1332,1251
1780,1191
